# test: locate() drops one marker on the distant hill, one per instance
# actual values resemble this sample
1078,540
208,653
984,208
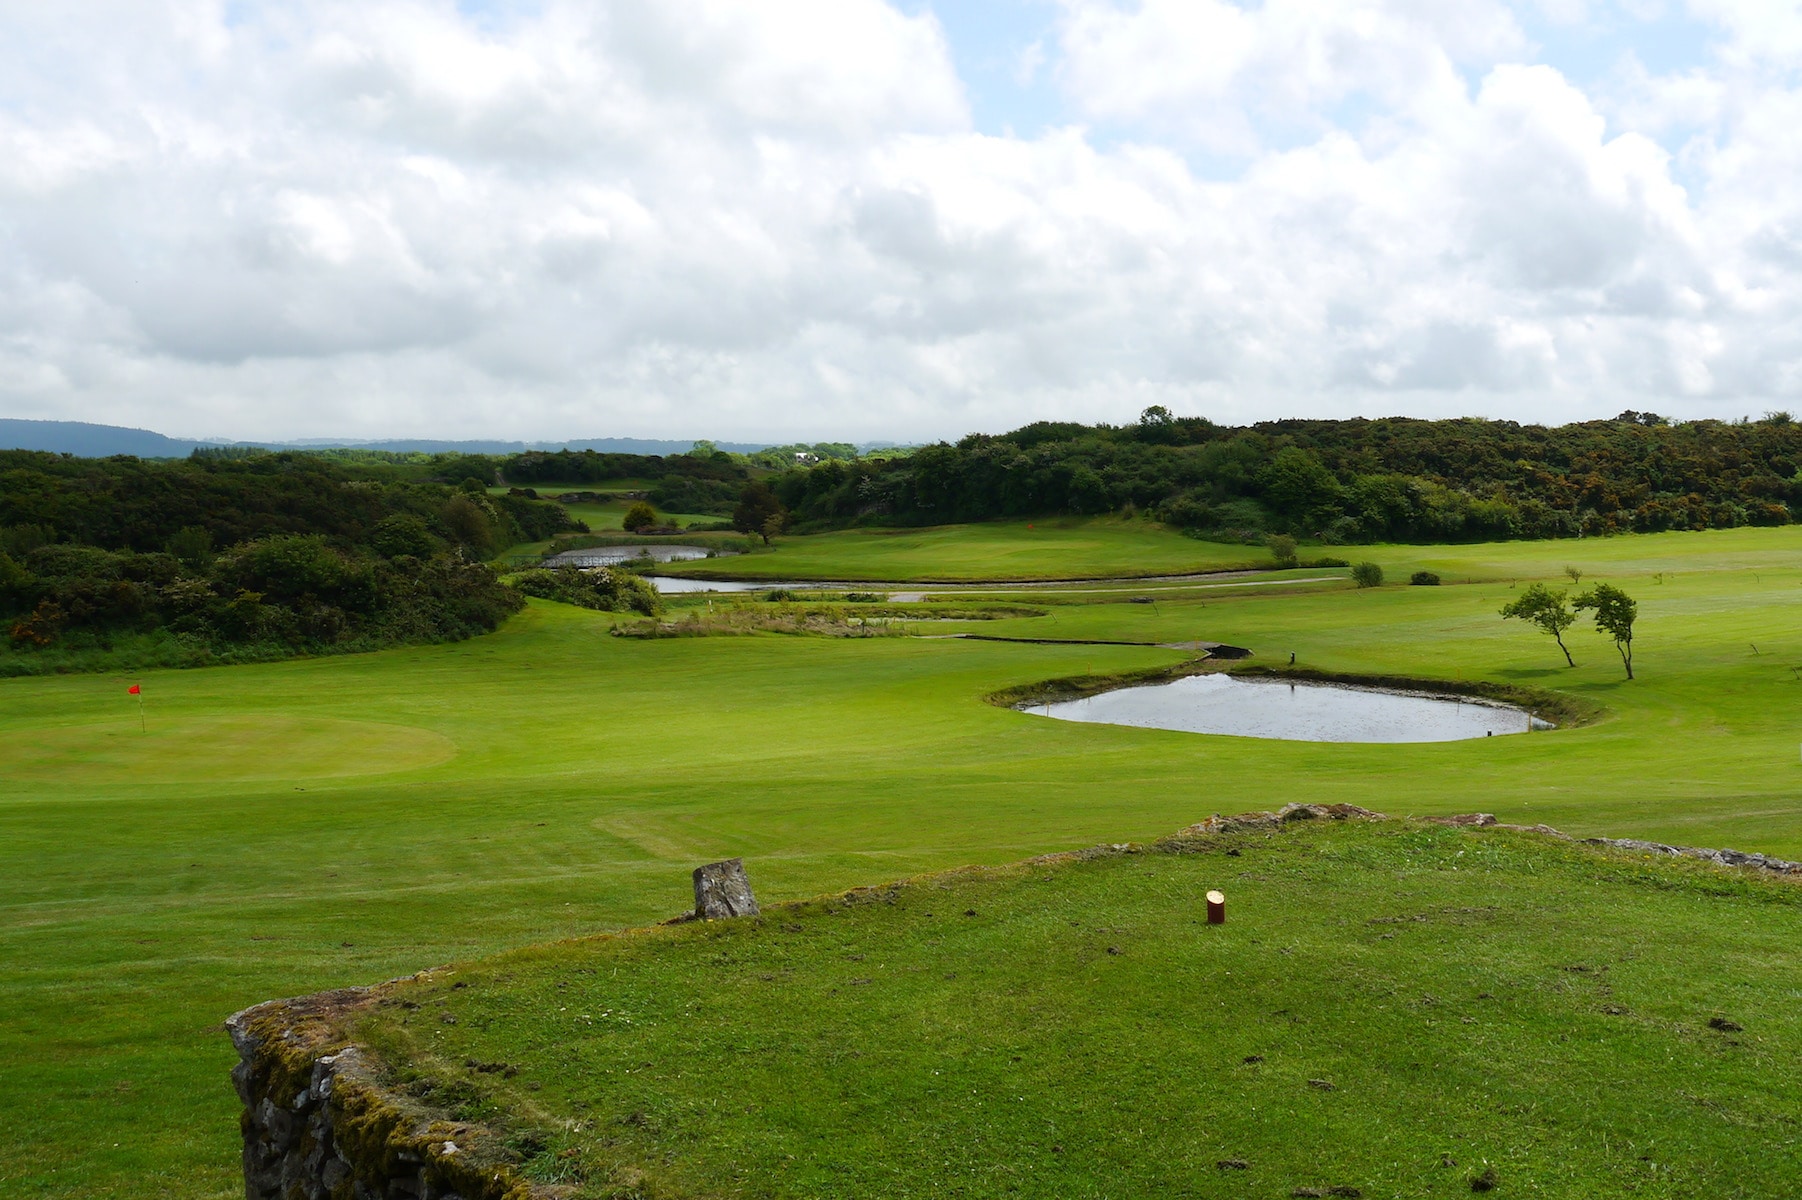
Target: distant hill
599,445
90,441
101,441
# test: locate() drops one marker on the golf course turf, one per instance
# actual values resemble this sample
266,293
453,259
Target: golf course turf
1392,1008
287,827
1053,548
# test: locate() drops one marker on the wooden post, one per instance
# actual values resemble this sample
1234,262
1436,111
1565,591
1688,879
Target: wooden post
1216,908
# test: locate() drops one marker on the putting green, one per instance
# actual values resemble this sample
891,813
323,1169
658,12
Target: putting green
223,749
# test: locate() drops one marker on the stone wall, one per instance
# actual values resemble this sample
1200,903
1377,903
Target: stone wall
319,1125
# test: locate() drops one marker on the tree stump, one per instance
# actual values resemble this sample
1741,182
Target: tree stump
722,890
1216,908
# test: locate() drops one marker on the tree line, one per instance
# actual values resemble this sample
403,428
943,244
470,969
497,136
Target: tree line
224,557
1351,481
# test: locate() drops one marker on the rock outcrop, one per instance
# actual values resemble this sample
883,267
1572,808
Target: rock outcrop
318,1124
1279,818
722,889
1726,858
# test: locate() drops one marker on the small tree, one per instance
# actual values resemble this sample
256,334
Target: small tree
756,505
1545,608
1282,548
640,516
1615,613
1367,574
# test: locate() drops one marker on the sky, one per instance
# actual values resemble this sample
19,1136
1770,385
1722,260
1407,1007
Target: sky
782,220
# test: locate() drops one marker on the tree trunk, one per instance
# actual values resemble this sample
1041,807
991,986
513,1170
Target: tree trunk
1569,661
1626,649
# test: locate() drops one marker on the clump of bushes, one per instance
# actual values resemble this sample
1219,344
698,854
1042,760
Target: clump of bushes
288,594
602,588
1282,548
1367,575
782,595
730,622
639,517
1424,579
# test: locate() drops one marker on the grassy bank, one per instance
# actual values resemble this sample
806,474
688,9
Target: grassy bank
1055,548
609,514
1107,547
291,826
1391,1008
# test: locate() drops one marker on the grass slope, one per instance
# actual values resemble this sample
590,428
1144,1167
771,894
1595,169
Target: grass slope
1107,547
292,826
606,517
1053,548
1393,1008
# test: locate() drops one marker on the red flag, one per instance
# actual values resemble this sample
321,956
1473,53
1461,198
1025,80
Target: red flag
132,690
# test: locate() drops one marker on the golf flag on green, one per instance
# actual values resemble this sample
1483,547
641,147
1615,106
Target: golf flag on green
132,690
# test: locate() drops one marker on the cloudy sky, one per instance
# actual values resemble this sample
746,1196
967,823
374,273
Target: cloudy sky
776,219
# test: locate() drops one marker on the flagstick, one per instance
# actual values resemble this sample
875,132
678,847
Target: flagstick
142,728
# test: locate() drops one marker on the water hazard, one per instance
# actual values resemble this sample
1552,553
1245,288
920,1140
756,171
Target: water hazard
608,556
1301,712
671,585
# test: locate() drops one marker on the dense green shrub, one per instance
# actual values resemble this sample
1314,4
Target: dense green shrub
246,558
1424,579
604,588
687,494
402,535
1367,575
589,466
280,595
639,517
196,507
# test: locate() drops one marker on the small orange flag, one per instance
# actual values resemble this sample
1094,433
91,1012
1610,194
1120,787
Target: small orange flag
132,690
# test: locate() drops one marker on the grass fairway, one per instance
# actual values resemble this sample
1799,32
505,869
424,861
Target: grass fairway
1391,1007
287,827
1053,548
1107,547
604,518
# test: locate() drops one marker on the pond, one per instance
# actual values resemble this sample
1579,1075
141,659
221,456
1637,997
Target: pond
671,585
607,556
1303,712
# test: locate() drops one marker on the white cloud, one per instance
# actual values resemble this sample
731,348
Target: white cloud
1218,71
771,220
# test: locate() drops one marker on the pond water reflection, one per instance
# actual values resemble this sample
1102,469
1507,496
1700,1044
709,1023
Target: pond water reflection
607,556
1306,712
672,585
